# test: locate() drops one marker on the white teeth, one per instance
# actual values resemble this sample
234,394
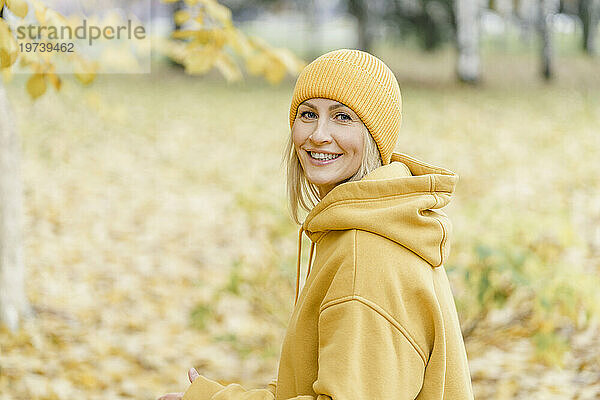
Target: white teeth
323,156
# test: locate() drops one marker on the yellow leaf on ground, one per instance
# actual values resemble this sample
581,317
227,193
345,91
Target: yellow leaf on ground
36,85
18,7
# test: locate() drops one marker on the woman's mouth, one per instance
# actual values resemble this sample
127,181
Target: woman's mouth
322,158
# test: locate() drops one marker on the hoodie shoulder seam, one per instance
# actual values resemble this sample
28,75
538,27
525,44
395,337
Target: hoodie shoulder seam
379,310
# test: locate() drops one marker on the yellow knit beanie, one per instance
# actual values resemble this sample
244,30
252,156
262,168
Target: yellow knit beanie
362,82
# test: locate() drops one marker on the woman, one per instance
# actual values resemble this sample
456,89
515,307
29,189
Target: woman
376,318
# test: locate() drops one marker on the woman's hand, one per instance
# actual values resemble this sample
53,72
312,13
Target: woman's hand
192,374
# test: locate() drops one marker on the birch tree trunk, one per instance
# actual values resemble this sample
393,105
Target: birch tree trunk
467,38
547,9
314,44
589,12
13,302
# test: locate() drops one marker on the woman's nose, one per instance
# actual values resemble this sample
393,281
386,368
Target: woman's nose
320,134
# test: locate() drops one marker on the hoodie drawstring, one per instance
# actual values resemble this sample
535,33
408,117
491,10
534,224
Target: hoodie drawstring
312,247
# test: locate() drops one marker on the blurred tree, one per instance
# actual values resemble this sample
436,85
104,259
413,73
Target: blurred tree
311,10
546,10
14,305
13,302
243,10
360,10
467,39
314,44
589,12
433,22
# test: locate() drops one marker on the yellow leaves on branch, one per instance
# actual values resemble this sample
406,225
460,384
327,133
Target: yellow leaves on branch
42,64
218,12
272,64
228,68
36,85
85,70
18,7
181,17
201,60
211,41
8,46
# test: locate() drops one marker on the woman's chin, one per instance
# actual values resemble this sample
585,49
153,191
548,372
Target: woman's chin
322,181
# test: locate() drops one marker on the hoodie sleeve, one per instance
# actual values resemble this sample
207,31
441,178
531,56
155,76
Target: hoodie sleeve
362,355
206,389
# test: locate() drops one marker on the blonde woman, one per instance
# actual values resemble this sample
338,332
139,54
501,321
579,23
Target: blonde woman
376,318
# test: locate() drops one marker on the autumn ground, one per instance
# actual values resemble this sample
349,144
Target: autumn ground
157,238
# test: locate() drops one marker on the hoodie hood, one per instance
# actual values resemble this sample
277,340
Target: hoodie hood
399,201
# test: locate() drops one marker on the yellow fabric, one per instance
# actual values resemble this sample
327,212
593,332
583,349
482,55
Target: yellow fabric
376,318
362,82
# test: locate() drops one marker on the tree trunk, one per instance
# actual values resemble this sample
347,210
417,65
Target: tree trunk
547,9
467,40
589,12
314,42
13,301
359,9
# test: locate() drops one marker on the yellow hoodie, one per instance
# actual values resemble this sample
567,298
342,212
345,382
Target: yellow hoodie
376,319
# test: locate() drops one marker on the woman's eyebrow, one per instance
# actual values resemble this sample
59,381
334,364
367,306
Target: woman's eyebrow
334,106
306,103
331,107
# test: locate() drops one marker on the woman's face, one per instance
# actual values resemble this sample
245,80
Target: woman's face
329,140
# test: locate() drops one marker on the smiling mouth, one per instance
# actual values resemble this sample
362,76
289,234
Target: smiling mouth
322,156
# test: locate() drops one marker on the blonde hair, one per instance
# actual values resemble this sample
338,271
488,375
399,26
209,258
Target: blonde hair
305,195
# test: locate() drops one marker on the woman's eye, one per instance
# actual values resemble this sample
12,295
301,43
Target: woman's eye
308,114
343,117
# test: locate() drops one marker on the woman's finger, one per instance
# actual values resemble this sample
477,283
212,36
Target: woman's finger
171,396
193,374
